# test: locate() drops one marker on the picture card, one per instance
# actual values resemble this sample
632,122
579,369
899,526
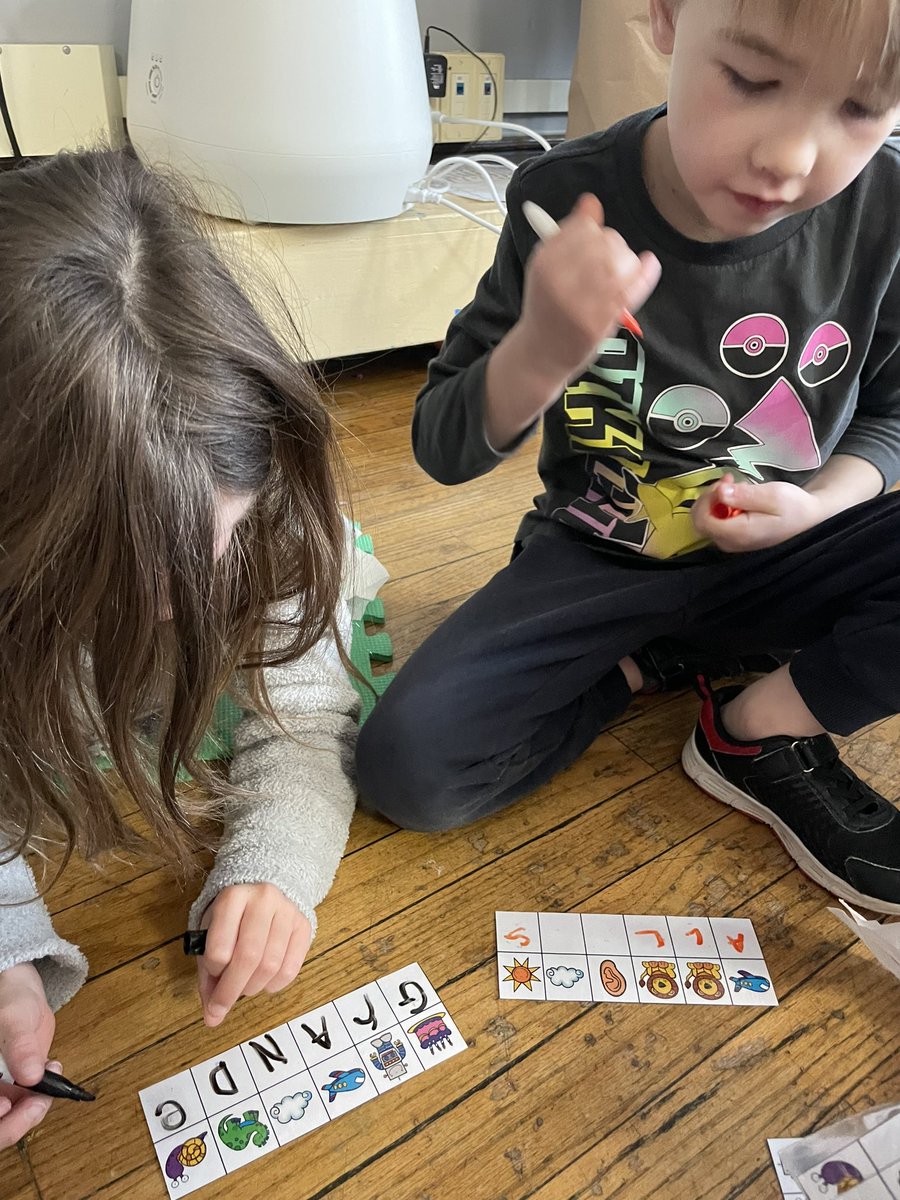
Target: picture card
882,938
858,1154
631,959
790,1189
273,1088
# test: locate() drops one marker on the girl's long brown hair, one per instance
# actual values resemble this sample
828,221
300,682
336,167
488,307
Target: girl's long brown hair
138,385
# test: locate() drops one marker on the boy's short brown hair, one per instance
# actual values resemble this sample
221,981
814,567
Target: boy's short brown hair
845,17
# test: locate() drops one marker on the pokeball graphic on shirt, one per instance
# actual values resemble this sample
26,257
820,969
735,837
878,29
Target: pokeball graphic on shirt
755,346
825,354
686,416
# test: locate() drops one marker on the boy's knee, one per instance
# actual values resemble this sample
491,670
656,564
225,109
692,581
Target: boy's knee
401,769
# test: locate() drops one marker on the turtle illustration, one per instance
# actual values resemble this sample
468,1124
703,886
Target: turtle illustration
237,1134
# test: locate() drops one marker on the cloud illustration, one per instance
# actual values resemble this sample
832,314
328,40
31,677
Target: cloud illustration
565,977
290,1108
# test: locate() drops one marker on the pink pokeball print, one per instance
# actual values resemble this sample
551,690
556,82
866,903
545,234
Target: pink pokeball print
825,354
755,346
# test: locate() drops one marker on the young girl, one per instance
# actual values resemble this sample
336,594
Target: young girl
169,530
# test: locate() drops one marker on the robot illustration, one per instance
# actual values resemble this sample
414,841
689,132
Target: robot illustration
388,1056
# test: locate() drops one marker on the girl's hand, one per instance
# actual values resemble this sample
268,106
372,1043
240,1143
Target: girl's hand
576,286
771,513
257,942
26,1031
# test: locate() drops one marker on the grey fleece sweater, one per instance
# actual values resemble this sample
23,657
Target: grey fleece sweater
291,834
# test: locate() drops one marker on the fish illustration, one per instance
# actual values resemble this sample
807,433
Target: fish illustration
344,1081
752,983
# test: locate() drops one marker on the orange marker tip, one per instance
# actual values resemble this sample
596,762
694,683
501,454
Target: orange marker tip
630,323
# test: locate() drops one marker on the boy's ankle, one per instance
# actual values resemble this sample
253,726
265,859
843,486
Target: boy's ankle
769,708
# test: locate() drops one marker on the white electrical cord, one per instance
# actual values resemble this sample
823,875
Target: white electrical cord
425,195
439,118
455,174
459,171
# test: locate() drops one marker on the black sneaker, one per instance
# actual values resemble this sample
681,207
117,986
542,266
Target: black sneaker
839,831
669,665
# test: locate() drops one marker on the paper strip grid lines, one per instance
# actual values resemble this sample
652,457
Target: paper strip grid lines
867,1166
218,1116
790,1189
631,959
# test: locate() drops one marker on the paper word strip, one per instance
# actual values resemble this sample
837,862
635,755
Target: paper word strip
631,959
270,1090
869,1166
790,1189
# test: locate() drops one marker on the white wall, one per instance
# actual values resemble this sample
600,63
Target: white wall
537,36
92,21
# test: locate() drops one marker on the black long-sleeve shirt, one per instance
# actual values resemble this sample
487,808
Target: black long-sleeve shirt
761,357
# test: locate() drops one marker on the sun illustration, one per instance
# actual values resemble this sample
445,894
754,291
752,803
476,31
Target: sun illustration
520,974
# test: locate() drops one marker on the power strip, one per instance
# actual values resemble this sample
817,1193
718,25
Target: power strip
470,93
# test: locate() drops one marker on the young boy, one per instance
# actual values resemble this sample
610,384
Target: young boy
764,202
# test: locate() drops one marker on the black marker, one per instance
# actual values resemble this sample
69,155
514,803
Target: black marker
52,1084
194,941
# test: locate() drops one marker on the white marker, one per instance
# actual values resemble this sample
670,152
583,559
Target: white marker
546,228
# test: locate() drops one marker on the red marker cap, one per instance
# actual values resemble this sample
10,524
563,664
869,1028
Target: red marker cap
724,512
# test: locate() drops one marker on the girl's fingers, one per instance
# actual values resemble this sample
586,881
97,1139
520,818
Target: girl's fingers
272,956
252,937
293,959
225,915
22,1117
205,983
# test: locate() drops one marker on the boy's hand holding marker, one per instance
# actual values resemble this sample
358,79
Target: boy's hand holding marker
738,517
579,283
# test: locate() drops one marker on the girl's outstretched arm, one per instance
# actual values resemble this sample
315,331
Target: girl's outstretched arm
291,832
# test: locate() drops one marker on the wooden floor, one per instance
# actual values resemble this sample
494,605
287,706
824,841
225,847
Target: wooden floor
551,1101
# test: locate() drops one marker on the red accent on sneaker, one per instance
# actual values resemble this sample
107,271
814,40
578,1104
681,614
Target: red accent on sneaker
716,742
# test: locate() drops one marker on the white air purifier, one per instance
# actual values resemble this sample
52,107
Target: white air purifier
303,112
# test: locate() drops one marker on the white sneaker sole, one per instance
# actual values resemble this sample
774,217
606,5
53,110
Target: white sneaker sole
711,782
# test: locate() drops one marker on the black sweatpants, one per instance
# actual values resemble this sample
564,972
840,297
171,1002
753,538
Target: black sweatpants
520,680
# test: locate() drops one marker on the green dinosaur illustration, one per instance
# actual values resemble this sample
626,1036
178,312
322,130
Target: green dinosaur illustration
237,1134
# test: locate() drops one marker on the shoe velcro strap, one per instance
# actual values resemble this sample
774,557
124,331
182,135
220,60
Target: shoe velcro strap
658,670
796,758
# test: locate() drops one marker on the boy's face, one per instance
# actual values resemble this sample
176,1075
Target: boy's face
764,120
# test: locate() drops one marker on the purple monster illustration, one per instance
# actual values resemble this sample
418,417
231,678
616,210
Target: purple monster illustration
842,1175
